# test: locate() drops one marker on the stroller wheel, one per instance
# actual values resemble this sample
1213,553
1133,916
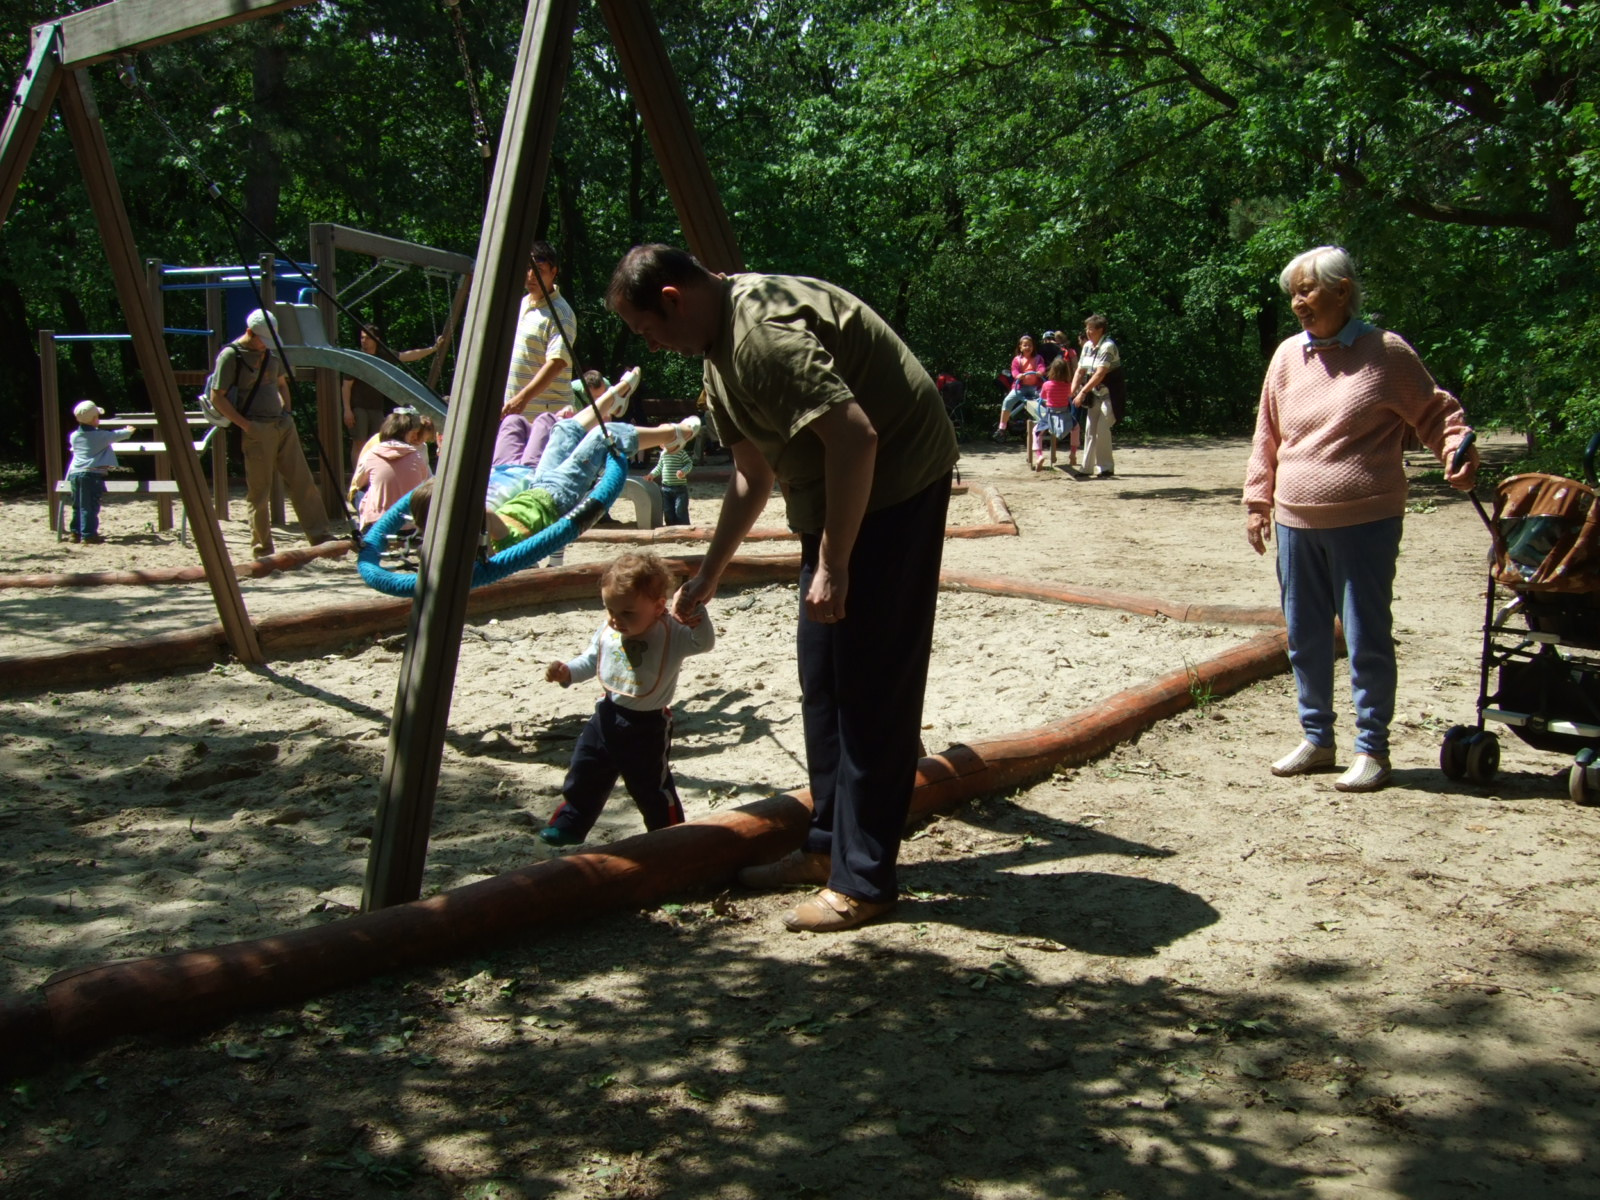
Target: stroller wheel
1453,751
1583,781
1483,758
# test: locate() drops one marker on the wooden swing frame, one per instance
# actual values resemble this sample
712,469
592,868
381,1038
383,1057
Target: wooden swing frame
62,52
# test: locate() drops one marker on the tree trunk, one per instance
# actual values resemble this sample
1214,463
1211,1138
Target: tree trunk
19,375
264,171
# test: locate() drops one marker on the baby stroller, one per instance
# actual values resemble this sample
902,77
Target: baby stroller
1543,646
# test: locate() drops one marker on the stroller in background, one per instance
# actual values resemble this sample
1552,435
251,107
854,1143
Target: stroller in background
1543,646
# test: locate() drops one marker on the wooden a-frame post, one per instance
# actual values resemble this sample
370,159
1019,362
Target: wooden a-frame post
61,51
427,672
149,346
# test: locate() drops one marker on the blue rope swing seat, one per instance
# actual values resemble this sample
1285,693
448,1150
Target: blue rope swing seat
509,561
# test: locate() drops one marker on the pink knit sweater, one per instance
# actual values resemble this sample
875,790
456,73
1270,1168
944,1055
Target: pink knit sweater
1331,426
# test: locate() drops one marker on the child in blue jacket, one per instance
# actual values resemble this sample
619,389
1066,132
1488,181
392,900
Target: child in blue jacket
92,458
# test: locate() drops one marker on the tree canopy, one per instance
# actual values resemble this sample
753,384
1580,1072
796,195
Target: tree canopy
973,168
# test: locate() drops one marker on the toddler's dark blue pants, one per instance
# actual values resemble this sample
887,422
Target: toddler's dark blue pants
626,742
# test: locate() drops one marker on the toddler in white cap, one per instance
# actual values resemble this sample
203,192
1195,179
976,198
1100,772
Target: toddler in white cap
92,457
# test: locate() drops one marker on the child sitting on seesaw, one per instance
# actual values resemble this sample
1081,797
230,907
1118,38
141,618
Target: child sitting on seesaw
522,501
636,653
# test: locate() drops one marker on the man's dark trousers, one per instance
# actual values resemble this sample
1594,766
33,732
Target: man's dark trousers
862,681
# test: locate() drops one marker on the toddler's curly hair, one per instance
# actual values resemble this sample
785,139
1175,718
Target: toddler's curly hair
644,573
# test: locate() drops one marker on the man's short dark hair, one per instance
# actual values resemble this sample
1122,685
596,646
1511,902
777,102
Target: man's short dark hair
542,252
646,269
1098,320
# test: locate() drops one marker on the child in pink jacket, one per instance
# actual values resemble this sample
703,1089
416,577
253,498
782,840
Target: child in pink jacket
392,467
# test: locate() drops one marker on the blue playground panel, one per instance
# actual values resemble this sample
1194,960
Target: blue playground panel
238,297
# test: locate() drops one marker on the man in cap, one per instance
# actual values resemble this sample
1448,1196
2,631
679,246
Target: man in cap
250,386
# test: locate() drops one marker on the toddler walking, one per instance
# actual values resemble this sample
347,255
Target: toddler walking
92,457
672,473
636,654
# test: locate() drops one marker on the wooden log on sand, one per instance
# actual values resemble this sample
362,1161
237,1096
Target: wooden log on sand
195,988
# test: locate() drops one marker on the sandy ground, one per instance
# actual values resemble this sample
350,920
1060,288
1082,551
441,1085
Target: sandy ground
1163,974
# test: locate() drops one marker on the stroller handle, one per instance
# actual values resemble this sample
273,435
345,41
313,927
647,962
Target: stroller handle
1460,456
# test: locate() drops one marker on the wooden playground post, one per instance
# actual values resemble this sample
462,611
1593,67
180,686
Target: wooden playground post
55,467
458,305
427,679
670,127
330,403
158,309
30,107
326,241
427,673
111,216
266,269
219,444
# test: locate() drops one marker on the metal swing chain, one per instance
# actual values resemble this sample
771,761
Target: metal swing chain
129,76
480,127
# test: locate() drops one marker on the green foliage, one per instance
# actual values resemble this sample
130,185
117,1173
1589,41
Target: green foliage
974,168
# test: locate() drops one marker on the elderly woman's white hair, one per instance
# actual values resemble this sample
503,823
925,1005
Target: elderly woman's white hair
1327,265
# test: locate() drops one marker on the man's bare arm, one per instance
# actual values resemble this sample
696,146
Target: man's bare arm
850,451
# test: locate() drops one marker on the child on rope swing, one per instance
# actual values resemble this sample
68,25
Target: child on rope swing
636,654
522,501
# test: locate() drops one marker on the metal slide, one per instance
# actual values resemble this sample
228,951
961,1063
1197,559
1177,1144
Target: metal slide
300,326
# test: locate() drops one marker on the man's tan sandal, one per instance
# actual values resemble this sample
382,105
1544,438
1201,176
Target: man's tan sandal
830,911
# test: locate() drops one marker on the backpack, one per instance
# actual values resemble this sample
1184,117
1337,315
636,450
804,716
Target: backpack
1116,383
212,384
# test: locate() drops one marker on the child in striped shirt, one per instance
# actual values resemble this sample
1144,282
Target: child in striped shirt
672,473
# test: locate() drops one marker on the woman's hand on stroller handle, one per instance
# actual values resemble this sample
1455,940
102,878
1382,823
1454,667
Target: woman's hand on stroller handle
1461,470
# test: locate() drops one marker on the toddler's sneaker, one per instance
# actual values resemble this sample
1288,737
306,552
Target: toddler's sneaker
552,835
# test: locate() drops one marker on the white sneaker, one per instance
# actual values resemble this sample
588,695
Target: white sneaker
687,429
1303,759
1367,773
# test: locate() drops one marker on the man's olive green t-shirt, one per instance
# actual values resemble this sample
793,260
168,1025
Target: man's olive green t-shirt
790,348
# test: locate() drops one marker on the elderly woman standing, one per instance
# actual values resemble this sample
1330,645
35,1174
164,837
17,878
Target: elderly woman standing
1327,469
